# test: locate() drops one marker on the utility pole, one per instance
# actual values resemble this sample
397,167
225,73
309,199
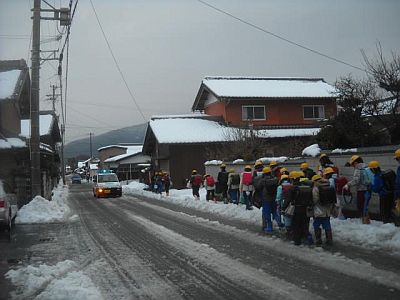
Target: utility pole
90,139
36,182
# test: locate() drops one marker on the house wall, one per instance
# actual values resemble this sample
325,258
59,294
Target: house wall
110,152
278,112
10,120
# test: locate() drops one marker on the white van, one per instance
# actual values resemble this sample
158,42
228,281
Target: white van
106,184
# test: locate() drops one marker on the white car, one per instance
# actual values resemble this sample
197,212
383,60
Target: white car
8,206
106,184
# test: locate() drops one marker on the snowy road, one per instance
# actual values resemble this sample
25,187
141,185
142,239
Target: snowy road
147,249
133,248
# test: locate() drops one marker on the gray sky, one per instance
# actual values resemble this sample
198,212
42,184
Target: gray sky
166,47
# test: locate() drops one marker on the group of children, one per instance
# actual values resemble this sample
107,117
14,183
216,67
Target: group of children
161,182
291,199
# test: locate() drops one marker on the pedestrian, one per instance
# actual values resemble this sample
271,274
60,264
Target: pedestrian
330,175
233,186
167,183
159,182
222,183
324,197
362,182
268,196
309,173
195,182
258,167
300,198
281,193
325,162
209,184
275,169
385,195
246,186
396,209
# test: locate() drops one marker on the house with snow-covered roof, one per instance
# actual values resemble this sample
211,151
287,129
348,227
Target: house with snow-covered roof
126,160
266,101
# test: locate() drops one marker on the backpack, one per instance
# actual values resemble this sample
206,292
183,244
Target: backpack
223,177
196,180
340,183
235,179
247,178
365,179
301,196
389,180
258,183
270,185
327,194
210,181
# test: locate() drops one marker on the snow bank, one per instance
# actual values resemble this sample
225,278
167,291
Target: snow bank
238,161
340,151
312,150
60,281
269,159
41,210
213,162
375,236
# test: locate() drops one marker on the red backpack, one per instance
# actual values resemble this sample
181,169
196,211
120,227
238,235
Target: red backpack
197,180
340,183
210,181
247,178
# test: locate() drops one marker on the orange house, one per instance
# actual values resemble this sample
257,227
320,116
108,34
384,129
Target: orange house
267,102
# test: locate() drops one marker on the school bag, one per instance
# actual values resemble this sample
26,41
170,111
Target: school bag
340,183
197,180
365,178
389,180
270,185
301,196
258,183
327,194
235,179
223,177
210,181
247,178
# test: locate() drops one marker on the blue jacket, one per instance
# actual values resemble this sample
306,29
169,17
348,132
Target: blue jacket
377,184
397,186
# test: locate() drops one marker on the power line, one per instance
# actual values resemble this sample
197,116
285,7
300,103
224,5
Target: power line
116,63
279,36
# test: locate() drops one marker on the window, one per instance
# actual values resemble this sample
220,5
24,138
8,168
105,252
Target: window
255,112
313,112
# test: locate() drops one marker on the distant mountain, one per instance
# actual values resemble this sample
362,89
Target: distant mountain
132,134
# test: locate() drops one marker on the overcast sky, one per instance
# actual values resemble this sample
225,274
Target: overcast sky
166,47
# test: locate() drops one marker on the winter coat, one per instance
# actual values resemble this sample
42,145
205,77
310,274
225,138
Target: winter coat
279,193
243,187
356,181
222,178
230,185
265,195
320,211
397,186
377,185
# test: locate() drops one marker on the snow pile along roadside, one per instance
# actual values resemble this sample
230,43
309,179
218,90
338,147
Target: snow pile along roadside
41,210
375,236
312,150
53,282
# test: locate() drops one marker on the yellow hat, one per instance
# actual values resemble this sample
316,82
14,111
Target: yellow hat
231,170
328,170
322,155
295,174
284,176
258,163
194,171
247,167
301,174
266,170
206,175
316,177
397,153
273,163
223,165
304,165
373,164
353,159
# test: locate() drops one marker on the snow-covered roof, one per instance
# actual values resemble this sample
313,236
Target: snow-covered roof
174,131
266,87
45,125
111,146
193,115
8,82
131,150
12,143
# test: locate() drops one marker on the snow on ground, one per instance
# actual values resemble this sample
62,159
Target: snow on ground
41,210
340,151
312,150
375,236
60,281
